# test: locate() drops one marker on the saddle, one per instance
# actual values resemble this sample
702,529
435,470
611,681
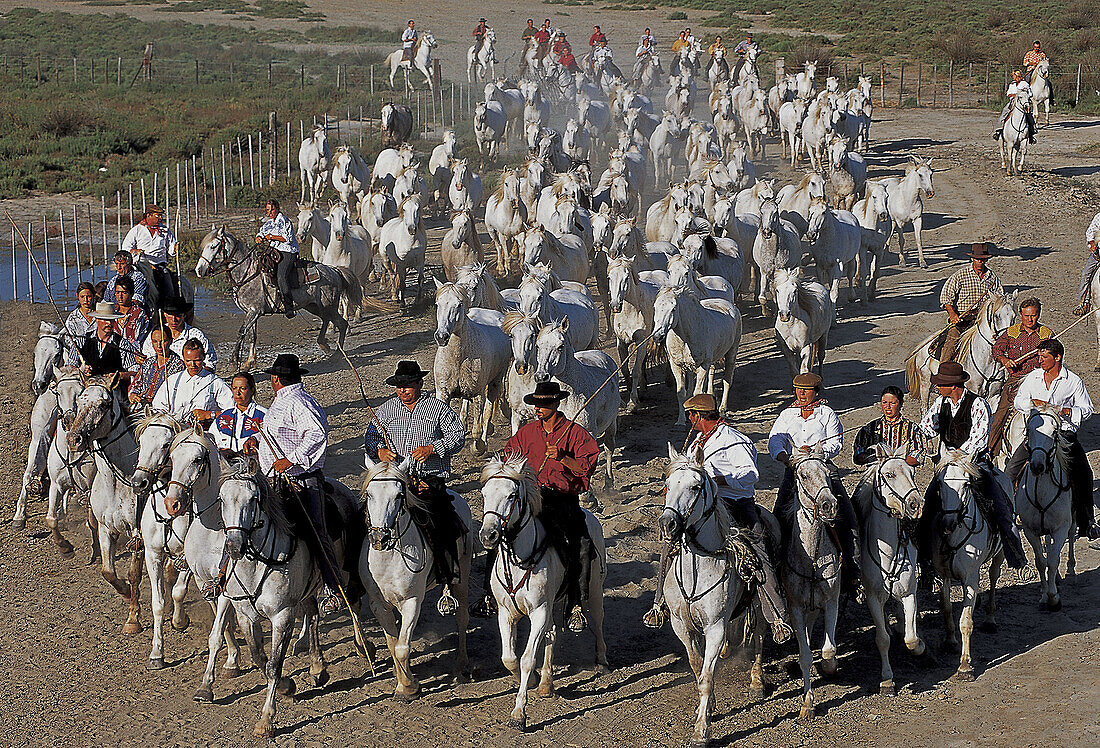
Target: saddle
301,274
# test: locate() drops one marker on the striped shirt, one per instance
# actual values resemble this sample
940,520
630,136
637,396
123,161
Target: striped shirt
894,434
151,374
1092,233
964,290
431,421
299,428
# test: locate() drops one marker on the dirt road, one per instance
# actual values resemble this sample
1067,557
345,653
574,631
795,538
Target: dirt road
72,679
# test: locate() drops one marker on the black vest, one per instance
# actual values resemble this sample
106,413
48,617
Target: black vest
955,430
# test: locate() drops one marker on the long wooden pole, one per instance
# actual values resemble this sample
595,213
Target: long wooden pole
1026,356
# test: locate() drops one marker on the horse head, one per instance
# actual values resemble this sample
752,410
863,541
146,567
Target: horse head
666,312
958,472
48,354
241,495
522,328
215,250
1044,438
95,412
451,303
769,218
194,463
690,494
620,276
553,351
819,211
786,292
511,498
814,485
154,438
386,494
894,482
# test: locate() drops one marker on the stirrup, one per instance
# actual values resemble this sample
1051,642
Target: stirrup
484,608
655,617
781,632
1082,309
447,605
328,602
211,589
135,543
577,622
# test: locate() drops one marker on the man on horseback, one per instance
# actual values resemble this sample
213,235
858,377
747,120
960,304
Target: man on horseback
417,425
1092,235
564,51
124,268
742,51
602,56
1052,384
479,35
1015,350
105,351
152,240
892,429
293,442
966,289
810,425
960,419
278,232
409,38
564,455
195,391
729,457
1017,85
175,312
1033,57
641,57
647,36
529,32
236,430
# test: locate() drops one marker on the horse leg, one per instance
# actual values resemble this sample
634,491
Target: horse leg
950,639
231,668
540,625
180,619
1036,543
917,238
991,601
596,614
715,638
546,674
133,579
507,627
882,641
900,231
205,691
909,611
682,384
1071,563
756,670
828,649
966,626
407,685
154,565
282,625
462,616
311,624
802,624
64,547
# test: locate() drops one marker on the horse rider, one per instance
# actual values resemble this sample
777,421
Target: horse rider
529,32
891,429
195,391
1033,57
155,369
279,233
1052,384
680,43
960,419
409,38
564,454
729,457
564,51
647,35
133,325
1017,85
174,312
124,268
152,240
966,289
641,56
1016,349
688,36
1092,236
104,351
80,323
602,54
717,45
597,37
479,35
236,430
418,426
293,440
597,41
741,51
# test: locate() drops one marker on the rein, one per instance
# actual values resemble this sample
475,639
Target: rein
689,542
395,532
508,538
1051,462
897,561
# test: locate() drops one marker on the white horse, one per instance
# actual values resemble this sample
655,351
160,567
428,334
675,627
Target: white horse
461,245
592,380
473,354
805,315
542,293
99,426
576,141
465,189
631,300
835,241
400,562
421,60
409,182
594,116
748,200
1013,141
754,121
1039,83
375,210
847,174
528,574
795,199
889,504
313,227
873,215
314,162
505,216
390,163
396,124
403,243
663,146
682,274
906,202
1044,499
439,165
163,534
481,63
566,254
811,567
702,589
490,122
776,246
523,330
968,542
791,116
816,129
711,255
484,291
698,334
350,176
349,246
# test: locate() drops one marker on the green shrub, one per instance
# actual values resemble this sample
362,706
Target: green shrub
678,15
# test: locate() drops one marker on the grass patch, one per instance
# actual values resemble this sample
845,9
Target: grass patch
677,15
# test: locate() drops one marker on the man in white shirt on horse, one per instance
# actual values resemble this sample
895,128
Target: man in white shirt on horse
1017,85
408,41
153,241
1054,385
278,231
1092,236
175,320
195,391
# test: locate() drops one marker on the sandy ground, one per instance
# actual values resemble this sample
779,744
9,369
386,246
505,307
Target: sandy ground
73,679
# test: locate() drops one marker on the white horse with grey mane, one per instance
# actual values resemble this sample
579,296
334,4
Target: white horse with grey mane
873,215
1039,83
461,244
1014,131
421,61
399,561
906,202
396,124
542,293
805,315
835,241
439,165
505,216
403,243
631,298
314,162
49,354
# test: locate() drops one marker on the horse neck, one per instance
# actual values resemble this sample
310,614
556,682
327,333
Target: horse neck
119,447
241,262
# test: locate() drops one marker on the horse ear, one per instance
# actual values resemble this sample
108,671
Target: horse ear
438,285
368,463
198,429
148,410
672,453
564,324
57,373
252,465
405,464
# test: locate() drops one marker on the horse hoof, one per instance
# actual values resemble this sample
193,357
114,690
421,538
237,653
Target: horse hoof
92,560
264,729
286,686
18,524
320,679
465,676
698,743
156,663
131,627
519,723
479,447
887,689
1054,607
603,668
924,265
965,676
756,693
826,668
806,715
182,624
405,697
204,695
67,552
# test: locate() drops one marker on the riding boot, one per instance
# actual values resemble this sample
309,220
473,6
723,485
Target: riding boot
577,620
927,533
772,603
655,617
1014,467
1080,473
282,278
1003,516
1032,129
847,529
486,607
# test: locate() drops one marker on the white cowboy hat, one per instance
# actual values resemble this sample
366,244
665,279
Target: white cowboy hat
106,310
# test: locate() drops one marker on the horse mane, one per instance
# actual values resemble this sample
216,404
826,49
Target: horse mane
544,274
809,295
47,328
187,434
985,311
515,468
804,183
629,262
455,288
269,502
514,319
961,460
1061,443
157,415
391,470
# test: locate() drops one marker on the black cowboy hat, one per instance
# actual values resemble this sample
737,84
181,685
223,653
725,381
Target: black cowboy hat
286,364
546,393
951,374
408,372
176,305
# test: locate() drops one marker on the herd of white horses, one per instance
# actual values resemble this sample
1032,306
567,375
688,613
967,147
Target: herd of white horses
670,283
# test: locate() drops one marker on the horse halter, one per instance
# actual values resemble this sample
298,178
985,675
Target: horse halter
385,537
518,502
816,513
878,484
1048,454
690,531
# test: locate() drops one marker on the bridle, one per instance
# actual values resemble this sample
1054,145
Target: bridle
878,502
878,484
813,514
688,537
248,528
1050,460
225,264
960,513
389,535
512,522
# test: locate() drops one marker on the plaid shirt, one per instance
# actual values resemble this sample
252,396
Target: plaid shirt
901,431
139,287
299,428
1033,58
964,290
431,421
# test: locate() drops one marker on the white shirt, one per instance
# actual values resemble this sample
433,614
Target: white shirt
729,454
408,37
1015,88
643,50
979,423
156,247
822,430
181,393
233,427
1092,233
1065,391
601,53
280,226
299,428
189,332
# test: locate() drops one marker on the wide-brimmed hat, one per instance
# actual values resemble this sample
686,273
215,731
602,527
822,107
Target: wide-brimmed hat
408,372
175,305
286,364
701,403
106,310
807,381
546,393
154,210
951,374
980,251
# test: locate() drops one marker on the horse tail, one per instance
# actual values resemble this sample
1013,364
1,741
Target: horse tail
912,376
351,291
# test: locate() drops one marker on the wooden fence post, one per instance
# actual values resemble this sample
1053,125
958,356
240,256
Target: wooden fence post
969,80
935,74
302,79
1077,91
882,83
987,84
901,83
950,83
920,71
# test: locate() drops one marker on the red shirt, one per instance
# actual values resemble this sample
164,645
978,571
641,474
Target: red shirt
1016,342
531,441
542,36
596,38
